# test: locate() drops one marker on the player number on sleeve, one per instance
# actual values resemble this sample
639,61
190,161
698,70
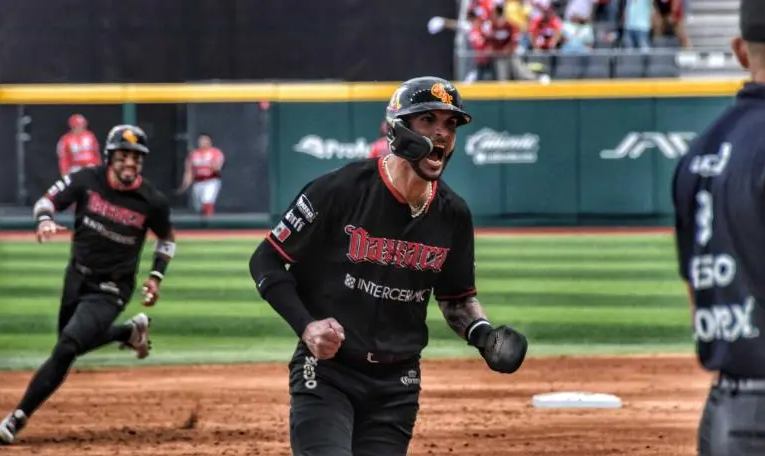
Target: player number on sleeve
704,217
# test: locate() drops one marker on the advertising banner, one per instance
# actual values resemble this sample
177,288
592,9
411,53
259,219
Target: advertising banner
545,158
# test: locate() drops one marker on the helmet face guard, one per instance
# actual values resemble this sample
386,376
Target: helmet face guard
408,144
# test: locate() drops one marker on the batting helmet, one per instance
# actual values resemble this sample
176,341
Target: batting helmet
416,96
126,137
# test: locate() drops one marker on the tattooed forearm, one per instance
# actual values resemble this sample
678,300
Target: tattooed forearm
460,313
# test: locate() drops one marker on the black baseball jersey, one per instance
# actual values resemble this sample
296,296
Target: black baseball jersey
359,256
110,225
719,198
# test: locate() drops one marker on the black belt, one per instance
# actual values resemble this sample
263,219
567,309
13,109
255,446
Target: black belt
363,357
727,383
87,272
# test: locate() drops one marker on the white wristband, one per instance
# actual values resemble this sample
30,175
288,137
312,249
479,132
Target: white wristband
480,323
157,275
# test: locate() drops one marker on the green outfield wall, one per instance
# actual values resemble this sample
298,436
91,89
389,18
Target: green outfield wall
567,153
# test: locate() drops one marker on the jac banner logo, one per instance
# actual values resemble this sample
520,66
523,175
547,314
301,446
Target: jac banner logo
671,145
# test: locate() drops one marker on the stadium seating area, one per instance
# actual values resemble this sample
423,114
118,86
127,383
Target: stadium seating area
576,39
606,65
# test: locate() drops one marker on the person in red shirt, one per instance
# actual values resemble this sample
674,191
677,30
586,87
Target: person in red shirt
546,30
381,147
203,174
479,39
482,8
78,148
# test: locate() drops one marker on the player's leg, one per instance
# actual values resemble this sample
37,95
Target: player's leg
321,414
133,334
91,320
210,195
385,426
70,297
388,428
196,196
731,424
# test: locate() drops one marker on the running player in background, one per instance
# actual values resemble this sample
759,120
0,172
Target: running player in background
78,148
203,175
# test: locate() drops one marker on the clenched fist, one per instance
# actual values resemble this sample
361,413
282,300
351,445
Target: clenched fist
323,337
150,291
46,229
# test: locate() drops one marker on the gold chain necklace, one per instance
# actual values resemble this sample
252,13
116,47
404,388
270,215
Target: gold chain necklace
416,210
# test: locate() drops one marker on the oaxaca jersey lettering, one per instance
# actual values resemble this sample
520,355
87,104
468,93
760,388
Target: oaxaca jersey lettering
110,225
718,194
358,255
403,254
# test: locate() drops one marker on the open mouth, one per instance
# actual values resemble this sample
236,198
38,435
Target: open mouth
436,156
128,173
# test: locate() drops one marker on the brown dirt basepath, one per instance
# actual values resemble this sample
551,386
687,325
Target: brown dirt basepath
465,409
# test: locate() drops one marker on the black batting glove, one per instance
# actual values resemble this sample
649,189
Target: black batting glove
503,348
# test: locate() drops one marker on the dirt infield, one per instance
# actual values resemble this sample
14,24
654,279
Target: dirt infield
465,409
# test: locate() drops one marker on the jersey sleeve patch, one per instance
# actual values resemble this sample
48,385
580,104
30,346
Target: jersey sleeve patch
300,232
305,208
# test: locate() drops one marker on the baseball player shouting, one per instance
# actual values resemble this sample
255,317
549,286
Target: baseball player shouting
366,246
114,208
718,192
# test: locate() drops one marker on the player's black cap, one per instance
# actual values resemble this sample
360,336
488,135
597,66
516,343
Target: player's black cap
752,20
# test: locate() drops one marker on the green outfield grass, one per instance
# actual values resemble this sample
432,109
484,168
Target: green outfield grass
568,294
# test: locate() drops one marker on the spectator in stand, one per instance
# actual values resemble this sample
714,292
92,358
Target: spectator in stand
607,18
518,13
479,43
669,16
482,8
501,36
637,24
578,34
477,30
578,10
538,7
546,30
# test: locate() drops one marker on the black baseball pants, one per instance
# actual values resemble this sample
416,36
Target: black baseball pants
733,422
88,311
341,408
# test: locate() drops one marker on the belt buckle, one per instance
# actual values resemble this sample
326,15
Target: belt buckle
370,359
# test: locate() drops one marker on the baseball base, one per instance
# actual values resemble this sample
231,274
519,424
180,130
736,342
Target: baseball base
576,400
